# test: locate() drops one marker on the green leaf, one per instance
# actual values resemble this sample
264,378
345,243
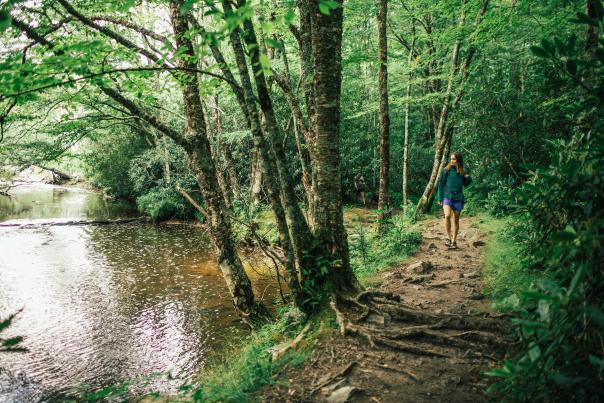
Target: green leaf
566,235
126,5
5,19
324,8
13,341
571,66
564,380
543,309
582,18
576,280
596,315
540,52
547,46
265,62
272,43
534,353
187,6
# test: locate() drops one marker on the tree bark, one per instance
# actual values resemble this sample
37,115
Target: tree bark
225,150
407,124
384,191
443,134
326,31
267,160
300,235
196,143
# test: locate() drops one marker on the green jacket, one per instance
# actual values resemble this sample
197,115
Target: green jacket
451,184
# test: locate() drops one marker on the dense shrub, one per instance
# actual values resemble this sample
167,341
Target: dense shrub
560,319
163,203
108,162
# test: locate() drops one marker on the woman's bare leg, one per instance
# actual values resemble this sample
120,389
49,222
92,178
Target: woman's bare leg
447,210
455,225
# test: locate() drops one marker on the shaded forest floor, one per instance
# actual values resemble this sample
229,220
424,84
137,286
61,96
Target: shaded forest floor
435,281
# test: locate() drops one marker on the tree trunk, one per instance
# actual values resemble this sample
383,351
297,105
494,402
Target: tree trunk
327,67
256,179
220,173
407,124
225,150
266,158
197,145
441,138
384,192
300,235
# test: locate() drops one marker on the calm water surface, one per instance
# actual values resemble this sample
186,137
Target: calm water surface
104,305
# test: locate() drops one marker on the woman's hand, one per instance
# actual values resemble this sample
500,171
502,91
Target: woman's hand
440,203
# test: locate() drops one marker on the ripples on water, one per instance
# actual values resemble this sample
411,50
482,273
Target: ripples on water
110,304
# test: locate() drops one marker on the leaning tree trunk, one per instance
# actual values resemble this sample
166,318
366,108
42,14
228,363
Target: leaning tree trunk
384,192
426,200
225,151
442,133
407,124
267,159
326,33
197,145
305,249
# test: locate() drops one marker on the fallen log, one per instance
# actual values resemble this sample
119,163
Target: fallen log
46,223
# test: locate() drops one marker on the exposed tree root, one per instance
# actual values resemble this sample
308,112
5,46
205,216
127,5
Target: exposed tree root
371,313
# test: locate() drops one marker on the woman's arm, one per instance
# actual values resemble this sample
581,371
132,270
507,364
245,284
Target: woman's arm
441,187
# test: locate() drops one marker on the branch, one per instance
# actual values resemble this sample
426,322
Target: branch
112,93
128,24
192,201
102,73
107,32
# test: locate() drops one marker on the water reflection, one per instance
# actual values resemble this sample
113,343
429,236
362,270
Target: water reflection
109,304
47,201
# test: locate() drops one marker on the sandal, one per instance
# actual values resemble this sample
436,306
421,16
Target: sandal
453,245
447,242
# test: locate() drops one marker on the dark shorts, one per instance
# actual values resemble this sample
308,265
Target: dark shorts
456,205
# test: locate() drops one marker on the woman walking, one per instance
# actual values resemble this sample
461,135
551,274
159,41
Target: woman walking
450,196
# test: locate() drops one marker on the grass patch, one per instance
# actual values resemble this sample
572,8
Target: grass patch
235,376
505,271
371,252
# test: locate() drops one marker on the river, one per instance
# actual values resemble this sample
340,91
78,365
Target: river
104,305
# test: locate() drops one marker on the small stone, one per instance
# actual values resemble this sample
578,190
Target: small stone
478,243
461,275
472,274
438,311
420,267
342,395
432,246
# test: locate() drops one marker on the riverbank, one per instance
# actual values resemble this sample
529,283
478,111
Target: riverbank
321,365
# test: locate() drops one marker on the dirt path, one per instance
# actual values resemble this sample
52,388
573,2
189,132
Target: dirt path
446,366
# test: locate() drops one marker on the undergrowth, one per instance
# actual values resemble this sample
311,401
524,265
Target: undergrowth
234,377
506,269
371,252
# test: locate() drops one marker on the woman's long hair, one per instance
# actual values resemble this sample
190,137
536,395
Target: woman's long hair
459,167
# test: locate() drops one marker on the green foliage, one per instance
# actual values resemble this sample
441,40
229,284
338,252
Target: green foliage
559,319
235,379
507,261
163,203
109,160
11,344
371,252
